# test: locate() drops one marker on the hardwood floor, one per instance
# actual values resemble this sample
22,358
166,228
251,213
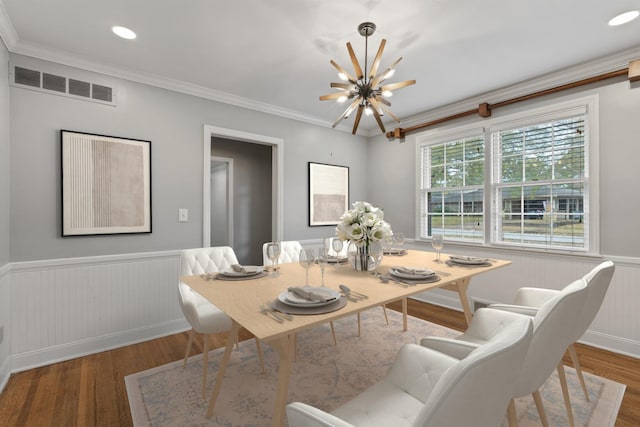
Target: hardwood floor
90,391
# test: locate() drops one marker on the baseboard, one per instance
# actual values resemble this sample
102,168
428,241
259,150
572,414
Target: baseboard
611,343
59,353
606,342
5,373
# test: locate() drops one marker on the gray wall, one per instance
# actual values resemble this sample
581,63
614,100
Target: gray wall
252,196
174,123
619,109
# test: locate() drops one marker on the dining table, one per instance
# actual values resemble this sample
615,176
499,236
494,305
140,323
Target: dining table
248,302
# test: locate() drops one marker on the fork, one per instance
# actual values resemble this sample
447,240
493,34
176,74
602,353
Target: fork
267,311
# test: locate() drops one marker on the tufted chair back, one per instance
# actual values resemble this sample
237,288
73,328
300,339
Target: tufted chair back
206,260
289,252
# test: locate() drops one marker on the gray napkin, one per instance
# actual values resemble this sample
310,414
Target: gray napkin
308,295
414,271
239,269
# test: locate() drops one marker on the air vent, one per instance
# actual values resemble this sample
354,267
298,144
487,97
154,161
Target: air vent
51,83
27,77
103,93
79,88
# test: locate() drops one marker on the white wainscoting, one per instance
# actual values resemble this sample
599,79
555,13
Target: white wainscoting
67,308
5,320
617,325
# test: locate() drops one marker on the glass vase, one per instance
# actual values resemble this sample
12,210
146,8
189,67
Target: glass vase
365,255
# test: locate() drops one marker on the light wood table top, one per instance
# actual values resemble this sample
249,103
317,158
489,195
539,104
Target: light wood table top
242,301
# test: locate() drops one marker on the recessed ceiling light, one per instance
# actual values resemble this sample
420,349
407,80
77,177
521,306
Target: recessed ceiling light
123,32
623,18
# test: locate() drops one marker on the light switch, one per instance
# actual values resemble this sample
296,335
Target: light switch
183,215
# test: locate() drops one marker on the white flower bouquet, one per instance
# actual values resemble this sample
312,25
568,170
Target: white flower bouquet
362,224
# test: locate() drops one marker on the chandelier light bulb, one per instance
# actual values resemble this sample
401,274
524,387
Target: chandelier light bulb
342,99
367,111
343,76
387,93
390,73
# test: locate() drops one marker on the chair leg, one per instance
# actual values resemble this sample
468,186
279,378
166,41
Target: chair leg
543,415
333,333
565,392
384,310
260,355
358,323
186,355
511,413
205,364
576,365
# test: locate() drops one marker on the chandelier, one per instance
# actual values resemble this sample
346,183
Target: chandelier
365,89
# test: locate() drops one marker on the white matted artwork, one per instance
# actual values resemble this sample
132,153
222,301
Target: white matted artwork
328,193
106,184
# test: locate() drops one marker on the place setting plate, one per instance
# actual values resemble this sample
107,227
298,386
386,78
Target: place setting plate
414,274
291,303
242,273
469,261
394,251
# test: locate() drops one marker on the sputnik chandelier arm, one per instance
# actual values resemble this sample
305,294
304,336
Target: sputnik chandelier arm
364,88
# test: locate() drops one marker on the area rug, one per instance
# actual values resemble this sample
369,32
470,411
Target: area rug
326,376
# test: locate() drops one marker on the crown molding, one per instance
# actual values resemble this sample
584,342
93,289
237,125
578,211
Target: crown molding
7,30
64,58
570,74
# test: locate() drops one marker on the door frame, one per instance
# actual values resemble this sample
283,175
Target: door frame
277,173
229,162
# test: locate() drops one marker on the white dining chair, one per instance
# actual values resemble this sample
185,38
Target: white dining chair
554,326
426,388
528,300
204,317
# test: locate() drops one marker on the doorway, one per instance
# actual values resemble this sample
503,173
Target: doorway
222,190
276,185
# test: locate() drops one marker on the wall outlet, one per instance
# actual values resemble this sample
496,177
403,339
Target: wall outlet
183,215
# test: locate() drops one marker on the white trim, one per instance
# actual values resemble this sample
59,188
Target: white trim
277,150
92,260
230,196
5,373
7,30
60,353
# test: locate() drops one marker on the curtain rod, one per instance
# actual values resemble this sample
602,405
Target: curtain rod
484,109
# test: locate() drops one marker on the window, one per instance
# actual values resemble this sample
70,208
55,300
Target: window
523,181
453,188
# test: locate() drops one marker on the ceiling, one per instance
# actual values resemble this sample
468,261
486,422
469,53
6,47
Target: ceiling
276,53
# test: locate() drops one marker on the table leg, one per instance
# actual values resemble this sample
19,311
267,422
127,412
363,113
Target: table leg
404,314
285,347
462,286
231,339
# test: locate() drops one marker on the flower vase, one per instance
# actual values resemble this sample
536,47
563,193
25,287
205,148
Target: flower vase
365,255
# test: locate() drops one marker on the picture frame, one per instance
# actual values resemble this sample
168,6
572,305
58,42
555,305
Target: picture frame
328,193
106,184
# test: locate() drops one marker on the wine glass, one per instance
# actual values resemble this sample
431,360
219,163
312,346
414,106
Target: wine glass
306,260
398,239
437,242
337,245
273,253
323,259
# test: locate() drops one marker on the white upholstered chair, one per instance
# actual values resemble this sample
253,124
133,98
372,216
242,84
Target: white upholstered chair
554,326
204,317
426,388
528,300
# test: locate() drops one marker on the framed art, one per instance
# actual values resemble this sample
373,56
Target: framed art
328,193
106,184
